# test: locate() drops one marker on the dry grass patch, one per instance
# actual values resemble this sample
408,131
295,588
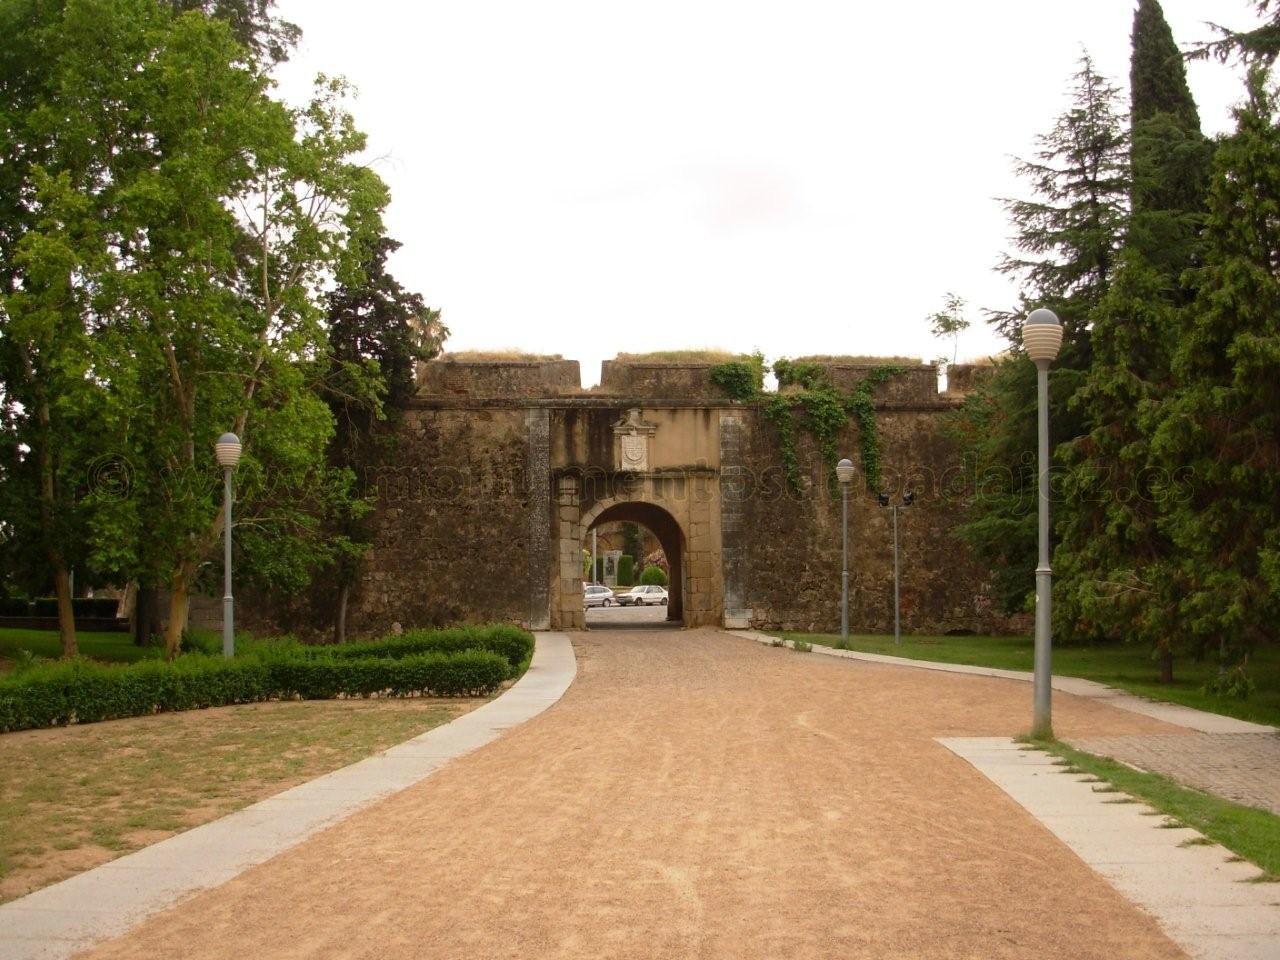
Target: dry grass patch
74,797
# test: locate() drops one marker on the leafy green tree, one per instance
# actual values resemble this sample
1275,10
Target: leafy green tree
1067,237
1112,562
950,322
45,362
267,37
1222,426
220,215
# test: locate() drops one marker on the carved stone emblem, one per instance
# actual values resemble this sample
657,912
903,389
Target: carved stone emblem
633,435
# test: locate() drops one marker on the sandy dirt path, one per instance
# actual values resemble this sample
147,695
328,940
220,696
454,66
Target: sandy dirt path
696,795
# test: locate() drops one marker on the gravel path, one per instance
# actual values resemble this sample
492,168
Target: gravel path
696,795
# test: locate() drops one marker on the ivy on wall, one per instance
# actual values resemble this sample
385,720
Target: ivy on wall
822,408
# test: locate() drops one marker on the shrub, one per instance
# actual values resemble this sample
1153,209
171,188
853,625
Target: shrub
653,576
626,570
514,645
15,608
468,661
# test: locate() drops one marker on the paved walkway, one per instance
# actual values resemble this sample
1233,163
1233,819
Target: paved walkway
696,795
1244,767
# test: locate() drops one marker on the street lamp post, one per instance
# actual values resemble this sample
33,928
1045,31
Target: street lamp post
844,473
1042,338
227,451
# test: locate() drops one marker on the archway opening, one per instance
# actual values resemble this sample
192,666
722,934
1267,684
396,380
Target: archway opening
648,536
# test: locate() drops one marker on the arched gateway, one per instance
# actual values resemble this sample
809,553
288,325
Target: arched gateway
501,467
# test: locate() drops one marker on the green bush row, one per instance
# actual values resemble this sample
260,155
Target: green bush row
82,691
511,643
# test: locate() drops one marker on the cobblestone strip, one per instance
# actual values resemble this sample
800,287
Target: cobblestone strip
1244,767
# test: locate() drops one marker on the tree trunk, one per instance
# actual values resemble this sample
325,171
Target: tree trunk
1166,666
340,625
179,605
48,510
146,615
66,613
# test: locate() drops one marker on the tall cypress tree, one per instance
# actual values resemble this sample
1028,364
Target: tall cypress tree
1067,236
1218,438
1112,560
1170,156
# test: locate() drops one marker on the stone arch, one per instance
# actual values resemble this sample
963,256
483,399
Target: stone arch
680,507
663,525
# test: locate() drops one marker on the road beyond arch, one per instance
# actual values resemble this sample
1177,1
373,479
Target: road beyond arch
696,795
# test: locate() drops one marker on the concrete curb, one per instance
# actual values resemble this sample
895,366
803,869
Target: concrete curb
1201,897
1171,713
104,902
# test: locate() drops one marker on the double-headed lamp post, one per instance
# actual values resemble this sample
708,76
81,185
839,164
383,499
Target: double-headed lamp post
1042,338
227,450
844,473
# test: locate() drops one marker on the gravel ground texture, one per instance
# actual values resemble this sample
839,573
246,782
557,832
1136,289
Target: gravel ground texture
696,795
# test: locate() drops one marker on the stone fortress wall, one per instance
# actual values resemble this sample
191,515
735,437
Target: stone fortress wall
502,466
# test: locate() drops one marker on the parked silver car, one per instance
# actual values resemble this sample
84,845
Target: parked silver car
641,596
597,595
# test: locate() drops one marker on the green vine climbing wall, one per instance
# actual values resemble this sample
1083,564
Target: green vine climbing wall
818,405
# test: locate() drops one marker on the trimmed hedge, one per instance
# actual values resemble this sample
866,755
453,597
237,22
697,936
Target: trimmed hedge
653,575
81,691
511,643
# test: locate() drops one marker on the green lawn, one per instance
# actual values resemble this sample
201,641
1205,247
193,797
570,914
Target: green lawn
1127,667
108,647
1246,831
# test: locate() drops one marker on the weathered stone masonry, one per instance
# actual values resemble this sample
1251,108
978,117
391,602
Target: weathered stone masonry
503,467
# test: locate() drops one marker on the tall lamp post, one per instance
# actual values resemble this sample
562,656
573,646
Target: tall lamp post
907,500
844,473
227,451
1042,338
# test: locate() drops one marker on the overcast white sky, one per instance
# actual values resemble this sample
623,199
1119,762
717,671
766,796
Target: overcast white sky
800,176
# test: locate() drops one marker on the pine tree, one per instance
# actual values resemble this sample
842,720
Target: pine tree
1111,563
1261,44
1067,236
1218,438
